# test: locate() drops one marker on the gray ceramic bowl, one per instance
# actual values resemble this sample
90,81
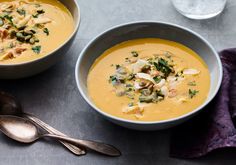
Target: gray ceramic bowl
135,30
14,71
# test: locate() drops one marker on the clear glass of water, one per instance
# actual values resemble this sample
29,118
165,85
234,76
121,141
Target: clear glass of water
199,9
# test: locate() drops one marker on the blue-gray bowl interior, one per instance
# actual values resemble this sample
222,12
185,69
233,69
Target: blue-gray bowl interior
148,30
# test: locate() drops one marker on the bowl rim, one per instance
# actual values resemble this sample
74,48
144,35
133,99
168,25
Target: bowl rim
59,47
107,115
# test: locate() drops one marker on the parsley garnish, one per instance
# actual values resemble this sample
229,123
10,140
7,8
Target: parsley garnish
36,49
157,79
192,93
192,83
38,13
46,31
117,66
9,18
134,54
21,12
163,66
113,80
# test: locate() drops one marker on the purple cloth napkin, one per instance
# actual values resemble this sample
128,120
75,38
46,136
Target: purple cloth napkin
214,127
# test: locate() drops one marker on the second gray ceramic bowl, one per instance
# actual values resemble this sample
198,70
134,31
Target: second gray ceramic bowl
21,70
136,30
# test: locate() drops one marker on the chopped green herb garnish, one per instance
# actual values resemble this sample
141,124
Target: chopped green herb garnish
192,83
157,79
33,31
36,49
113,80
9,18
130,76
21,12
134,54
163,66
38,13
192,93
45,30
40,26
127,59
117,66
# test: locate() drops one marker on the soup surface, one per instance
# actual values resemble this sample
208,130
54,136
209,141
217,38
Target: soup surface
148,80
30,29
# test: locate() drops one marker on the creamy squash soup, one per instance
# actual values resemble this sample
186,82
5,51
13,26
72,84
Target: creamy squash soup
30,29
148,80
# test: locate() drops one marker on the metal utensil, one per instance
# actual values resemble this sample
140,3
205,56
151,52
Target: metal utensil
10,106
23,130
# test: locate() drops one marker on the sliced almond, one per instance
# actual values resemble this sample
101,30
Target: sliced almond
164,90
145,76
42,20
6,56
137,67
24,21
191,71
182,100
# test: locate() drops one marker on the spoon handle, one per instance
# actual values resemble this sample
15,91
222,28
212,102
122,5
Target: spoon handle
74,149
102,148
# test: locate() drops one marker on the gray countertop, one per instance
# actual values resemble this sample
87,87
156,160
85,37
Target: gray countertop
54,98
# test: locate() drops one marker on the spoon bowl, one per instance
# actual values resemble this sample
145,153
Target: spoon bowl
23,130
19,129
9,105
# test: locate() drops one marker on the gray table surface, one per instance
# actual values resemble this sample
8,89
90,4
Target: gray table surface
53,95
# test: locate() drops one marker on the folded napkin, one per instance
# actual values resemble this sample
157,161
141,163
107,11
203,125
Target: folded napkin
214,127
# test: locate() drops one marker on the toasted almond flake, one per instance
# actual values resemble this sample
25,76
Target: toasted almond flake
164,90
145,76
182,100
138,115
154,73
137,86
15,19
132,109
137,67
24,21
42,20
142,105
6,6
8,55
19,50
3,33
191,71
171,78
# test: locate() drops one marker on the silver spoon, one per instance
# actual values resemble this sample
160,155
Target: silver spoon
10,106
23,130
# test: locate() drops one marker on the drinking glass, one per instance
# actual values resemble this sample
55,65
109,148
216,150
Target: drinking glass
199,9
